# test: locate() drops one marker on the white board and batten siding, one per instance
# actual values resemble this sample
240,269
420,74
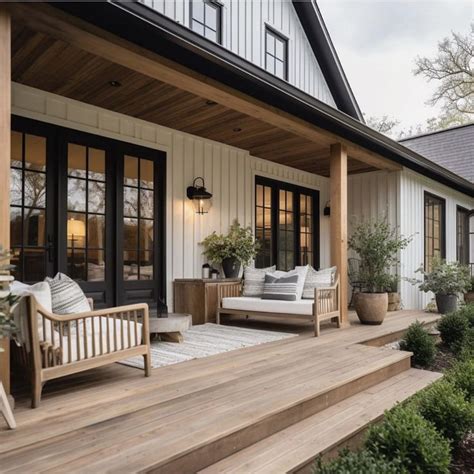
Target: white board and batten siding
243,33
412,189
229,174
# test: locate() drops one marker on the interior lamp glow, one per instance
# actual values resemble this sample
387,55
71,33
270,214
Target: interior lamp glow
199,196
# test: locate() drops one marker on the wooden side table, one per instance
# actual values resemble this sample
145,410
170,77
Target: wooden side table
198,297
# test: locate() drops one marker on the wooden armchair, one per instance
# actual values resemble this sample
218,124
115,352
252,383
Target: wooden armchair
325,306
59,345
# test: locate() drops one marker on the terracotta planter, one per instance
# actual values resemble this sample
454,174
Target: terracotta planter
446,303
371,308
394,302
469,297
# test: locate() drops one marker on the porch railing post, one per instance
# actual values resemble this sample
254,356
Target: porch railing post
5,123
338,196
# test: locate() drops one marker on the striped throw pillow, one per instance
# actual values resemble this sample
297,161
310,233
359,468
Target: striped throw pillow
318,279
280,288
254,279
66,295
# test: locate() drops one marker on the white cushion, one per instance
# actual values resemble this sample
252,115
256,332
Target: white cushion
41,291
245,303
318,279
254,280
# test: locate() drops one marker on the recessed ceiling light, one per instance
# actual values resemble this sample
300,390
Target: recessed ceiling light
114,83
237,129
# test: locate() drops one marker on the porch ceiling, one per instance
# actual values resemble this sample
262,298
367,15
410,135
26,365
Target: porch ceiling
53,65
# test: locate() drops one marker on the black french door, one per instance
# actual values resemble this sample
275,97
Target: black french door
90,207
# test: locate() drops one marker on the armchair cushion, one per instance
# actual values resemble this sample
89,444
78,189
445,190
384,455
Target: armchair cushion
318,279
254,279
67,296
280,287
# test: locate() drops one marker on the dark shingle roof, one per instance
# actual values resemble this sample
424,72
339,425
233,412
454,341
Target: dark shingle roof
452,149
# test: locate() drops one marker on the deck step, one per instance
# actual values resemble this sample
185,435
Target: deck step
295,448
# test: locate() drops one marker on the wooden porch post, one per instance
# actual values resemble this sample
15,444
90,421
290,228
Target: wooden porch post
5,120
338,196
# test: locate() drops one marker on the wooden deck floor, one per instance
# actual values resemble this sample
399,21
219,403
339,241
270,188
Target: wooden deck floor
190,415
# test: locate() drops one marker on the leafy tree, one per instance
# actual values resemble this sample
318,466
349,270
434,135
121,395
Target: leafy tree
384,124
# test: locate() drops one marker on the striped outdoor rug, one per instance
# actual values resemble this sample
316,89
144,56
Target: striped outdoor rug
203,341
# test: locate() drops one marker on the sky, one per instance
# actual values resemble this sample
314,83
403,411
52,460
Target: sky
377,42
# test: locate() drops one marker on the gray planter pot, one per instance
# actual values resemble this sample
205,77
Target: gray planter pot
446,303
231,267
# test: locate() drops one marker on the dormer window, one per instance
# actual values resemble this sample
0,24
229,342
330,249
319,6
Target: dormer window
206,19
276,53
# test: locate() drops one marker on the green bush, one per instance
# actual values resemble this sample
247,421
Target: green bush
405,435
418,341
453,328
446,407
461,375
357,463
468,312
464,349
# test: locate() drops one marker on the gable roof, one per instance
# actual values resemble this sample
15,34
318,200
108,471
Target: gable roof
318,36
452,148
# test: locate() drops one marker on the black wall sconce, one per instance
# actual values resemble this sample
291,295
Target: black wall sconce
199,196
327,209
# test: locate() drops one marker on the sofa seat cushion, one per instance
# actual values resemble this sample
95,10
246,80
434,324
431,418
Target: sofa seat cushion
245,303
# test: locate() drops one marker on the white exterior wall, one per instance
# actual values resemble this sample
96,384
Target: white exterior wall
412,188
229,174
243,33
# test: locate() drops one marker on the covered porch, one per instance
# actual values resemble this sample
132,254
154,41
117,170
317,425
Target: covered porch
68,73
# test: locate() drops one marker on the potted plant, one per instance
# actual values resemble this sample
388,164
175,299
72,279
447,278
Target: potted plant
394,303
446,280
377,244
233,250
469,295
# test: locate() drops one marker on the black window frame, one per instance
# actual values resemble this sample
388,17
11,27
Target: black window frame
297,191
285,40
465,213
218,7
442,202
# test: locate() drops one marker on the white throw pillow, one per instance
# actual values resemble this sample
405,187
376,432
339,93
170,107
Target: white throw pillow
41,291
301,272
254,279
318,279
67,296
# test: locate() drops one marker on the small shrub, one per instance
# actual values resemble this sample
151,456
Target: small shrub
446,407
464,349
358,462
461,375
418,341
467,311
453,328
405,435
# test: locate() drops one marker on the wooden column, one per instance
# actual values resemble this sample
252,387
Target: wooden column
5,120
338,189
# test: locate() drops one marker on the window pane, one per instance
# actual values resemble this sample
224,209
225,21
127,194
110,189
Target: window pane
198,27
76,157
76,230
270,43
17,149
131,170
96,164
35,152
146,174
259,217
279,49
198,10
96,265
15,226
146,265
210,34
35,189
259,198
146,203
279,69
34,264
34,227
130,234
130,201
210,16
76,199
96,197
16,187
270,64
146,235
268,196
76,263
96,232
268,218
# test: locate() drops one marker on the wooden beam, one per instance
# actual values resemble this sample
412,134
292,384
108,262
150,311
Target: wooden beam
5,127
87,37
338,220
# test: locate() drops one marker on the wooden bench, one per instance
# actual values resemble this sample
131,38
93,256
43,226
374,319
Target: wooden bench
325,306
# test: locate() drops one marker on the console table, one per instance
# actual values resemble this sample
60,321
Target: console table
198,297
